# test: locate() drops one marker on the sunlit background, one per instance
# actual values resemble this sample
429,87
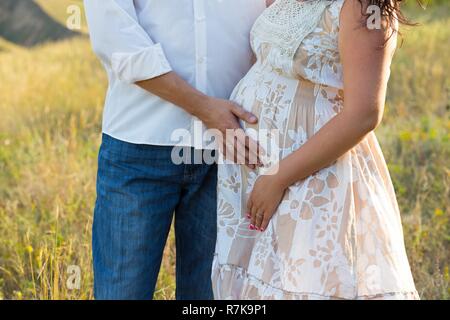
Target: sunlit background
51,97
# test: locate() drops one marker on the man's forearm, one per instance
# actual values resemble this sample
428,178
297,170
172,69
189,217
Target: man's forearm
219,114
174,89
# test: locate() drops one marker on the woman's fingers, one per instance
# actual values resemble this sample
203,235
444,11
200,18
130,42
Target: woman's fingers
259,219
249,208
253,213
264,223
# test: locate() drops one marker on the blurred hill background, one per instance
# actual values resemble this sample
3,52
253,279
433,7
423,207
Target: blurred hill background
52,90
23,22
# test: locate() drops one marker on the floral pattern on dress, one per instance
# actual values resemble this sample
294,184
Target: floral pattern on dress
337,234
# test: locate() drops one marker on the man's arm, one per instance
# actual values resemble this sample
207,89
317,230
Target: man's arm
122,44
215,113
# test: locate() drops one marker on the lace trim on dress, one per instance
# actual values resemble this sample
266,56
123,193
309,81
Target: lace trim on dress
248,283
285,24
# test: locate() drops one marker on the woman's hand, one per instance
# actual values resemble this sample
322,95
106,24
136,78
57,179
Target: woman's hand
264,200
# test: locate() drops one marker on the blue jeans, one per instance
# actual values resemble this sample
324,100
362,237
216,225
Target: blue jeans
139,192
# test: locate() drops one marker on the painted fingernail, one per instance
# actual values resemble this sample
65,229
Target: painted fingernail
262,229
251,227
249,216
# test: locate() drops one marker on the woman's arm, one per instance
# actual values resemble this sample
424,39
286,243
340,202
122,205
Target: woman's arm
366,57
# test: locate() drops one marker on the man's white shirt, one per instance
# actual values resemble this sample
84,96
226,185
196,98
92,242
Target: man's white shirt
206,42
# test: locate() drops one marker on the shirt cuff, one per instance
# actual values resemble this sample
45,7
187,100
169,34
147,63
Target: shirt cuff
146,64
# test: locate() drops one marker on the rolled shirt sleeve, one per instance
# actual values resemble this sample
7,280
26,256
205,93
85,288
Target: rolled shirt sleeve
121,43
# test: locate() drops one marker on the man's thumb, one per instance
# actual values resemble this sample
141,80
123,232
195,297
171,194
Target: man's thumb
246,116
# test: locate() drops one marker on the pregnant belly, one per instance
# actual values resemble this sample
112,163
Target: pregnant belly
275,99
270,97
290,111
266,94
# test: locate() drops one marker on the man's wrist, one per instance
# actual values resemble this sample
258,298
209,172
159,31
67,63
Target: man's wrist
201,106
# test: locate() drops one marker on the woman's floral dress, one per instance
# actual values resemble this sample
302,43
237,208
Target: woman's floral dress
336,234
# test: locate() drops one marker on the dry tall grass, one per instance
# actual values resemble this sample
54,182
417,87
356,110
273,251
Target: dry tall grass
50,113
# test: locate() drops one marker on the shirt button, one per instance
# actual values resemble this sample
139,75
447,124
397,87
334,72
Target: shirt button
201,60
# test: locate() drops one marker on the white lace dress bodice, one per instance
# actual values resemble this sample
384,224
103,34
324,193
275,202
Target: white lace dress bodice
289,38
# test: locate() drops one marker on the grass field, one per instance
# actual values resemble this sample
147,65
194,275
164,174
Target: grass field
51,101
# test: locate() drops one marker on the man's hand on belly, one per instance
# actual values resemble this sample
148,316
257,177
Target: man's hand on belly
219,114
236,145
